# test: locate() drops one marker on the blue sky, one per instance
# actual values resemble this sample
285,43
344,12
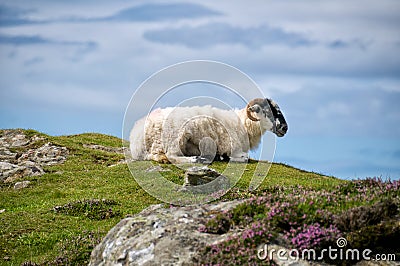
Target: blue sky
333,66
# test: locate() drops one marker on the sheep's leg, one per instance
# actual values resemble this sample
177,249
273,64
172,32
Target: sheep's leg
188,159
162,158
183,151
239,157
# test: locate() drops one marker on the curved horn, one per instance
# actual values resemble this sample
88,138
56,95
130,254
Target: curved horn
250,104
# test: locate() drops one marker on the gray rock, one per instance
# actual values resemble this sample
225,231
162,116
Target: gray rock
13,138
119,150
47,154
22,184
19,140
195,175
31,169
11,172
159,236
204,180
8,170
6,155
31,160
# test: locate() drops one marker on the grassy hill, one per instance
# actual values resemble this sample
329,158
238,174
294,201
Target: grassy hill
64,213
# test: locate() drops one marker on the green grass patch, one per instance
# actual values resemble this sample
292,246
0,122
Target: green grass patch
93,209
32,231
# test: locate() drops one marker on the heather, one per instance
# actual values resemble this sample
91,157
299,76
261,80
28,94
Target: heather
365,212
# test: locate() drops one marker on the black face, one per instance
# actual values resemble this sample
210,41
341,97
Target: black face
280,125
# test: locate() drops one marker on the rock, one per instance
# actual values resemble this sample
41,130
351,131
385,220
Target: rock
6,155
28,161
31,169
47,154
204,180
159,236
119,150
17,171
31,162
19,140
12,138
168,236
8,170
195,176
23,184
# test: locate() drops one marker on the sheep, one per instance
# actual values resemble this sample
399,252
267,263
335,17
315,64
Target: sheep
201,134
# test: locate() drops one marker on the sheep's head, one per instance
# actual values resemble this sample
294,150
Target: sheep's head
258,109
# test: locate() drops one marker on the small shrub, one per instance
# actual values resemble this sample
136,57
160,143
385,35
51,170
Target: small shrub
93,209
245,213
77,250
382,238
312,236
220,224
285,215
359,217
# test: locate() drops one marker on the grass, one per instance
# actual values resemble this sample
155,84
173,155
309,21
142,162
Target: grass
31,230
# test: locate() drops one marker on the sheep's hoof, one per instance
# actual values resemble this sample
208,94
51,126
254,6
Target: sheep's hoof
239,159
203,160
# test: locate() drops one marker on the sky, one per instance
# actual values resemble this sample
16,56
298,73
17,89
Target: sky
70,67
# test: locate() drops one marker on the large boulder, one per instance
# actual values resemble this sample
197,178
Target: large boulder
160,236
168,236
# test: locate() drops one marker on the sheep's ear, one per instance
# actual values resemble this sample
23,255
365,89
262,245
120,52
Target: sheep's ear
255,108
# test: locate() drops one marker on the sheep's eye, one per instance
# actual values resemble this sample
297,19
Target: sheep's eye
268,115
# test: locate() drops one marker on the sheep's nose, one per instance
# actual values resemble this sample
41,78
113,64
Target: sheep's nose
281,130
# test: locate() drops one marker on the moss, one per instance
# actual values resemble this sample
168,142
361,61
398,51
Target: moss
220,224
93,209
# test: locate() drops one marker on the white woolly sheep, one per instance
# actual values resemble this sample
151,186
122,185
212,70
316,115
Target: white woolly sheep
204,133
